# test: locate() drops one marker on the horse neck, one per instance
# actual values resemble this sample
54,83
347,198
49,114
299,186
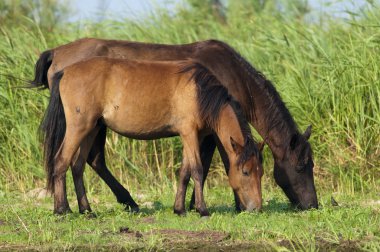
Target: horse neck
259,99
229,126
263,106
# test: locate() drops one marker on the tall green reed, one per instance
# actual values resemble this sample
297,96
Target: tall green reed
327,75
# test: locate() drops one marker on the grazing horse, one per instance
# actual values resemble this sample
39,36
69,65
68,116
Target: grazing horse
261,103
175,98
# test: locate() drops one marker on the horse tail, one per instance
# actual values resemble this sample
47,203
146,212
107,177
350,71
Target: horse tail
40,70
53,127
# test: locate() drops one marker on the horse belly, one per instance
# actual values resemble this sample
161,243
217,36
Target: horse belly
139,121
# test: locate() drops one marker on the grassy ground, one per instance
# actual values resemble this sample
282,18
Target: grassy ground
26,222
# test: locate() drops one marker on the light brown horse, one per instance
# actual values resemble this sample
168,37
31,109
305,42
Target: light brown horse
261,103
175,98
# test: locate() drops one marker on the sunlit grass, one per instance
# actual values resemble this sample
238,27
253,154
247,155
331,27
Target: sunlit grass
352,225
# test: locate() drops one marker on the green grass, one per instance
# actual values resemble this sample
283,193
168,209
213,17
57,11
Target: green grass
326,72
29,223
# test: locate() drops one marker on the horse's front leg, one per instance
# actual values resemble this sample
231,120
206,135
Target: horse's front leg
207,149
192,157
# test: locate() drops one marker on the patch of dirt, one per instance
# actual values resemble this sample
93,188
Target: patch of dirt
147,220
179,236
2,223
374,202
130,233
226,246
38,193
147,204
343,245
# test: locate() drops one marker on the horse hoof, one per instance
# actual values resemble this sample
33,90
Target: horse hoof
238,209
85,211
62,211
131,209
180,212
90,215
203,213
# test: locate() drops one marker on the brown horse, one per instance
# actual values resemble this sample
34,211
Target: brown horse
262,106
188,101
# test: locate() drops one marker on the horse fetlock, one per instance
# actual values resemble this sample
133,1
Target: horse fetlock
203,212
85,209
132,209
62,210
180,212
89,214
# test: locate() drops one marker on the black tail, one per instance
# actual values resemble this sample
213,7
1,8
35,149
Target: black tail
53,127
40,70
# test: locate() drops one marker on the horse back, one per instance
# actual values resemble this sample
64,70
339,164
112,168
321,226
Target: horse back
138,99
86,48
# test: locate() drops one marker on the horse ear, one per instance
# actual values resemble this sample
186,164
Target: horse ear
307,133
235,146
293,141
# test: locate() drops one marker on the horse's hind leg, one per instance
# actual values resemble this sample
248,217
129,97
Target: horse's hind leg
69,147
207,149
77,169
97,161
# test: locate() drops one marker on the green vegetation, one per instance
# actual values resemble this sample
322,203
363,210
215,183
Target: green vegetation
28,223
327,71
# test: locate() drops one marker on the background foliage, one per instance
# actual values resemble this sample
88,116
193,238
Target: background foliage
325,68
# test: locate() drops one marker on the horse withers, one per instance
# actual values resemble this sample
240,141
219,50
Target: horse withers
175,98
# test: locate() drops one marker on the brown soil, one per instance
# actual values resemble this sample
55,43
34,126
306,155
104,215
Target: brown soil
205,240
147,220
209,240
180,236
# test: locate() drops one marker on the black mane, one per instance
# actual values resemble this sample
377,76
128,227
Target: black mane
250,145
277,114
212,96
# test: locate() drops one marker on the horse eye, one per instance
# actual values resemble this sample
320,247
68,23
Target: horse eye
245,173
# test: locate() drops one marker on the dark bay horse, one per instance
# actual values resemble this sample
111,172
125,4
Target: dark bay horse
261,103
188,101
